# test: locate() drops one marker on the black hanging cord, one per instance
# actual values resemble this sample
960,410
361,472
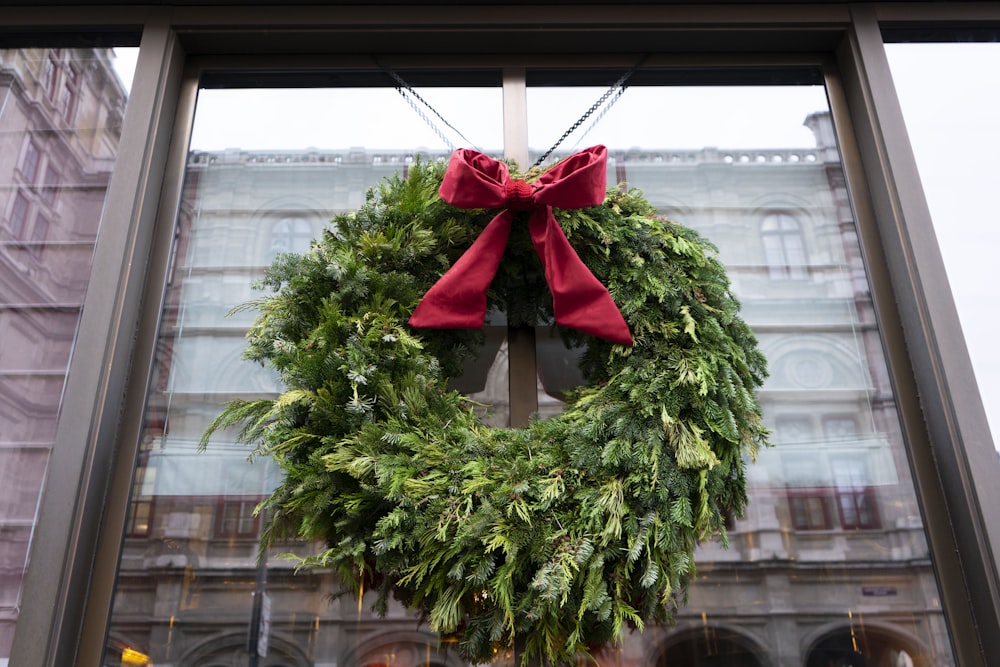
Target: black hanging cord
406,89
618,85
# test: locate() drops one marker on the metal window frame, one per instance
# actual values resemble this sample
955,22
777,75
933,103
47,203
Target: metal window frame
69,587
60,581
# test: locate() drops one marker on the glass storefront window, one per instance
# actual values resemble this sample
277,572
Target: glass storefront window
830,564
60,121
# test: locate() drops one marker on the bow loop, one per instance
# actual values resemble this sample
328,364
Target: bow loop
578,181
579,300
474,180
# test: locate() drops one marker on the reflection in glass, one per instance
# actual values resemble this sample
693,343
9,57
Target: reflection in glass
784,247
830,564
189,589
60,122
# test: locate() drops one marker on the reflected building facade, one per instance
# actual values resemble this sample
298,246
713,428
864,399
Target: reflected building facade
829,566
60,122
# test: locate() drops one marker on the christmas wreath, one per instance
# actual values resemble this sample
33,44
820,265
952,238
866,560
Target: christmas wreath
556,537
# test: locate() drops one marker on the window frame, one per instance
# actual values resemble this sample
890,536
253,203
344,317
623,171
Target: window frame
247,521
19,217
39,235
66,96
31,161
803,514
780,232
288,233
944,427
51,74
48,185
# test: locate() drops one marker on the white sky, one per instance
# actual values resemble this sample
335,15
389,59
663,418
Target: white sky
676,117
950,94
950,103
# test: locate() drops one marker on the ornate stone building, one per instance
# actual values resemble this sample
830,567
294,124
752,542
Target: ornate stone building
60,120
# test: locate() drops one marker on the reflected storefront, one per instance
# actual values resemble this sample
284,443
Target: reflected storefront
129,234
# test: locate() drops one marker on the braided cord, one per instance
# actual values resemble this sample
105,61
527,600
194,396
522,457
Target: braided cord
618,86
408,94
406,91
427,119
597,119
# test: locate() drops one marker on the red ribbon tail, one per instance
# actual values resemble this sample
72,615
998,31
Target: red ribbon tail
579,300
458,299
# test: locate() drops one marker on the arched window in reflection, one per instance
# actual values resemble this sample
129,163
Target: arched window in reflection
290,235
711,646
403,648
784,246
226,650
861,646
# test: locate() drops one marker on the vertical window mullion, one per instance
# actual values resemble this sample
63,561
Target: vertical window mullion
522,371
515,116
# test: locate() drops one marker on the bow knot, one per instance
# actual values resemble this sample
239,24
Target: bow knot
579,300
518,195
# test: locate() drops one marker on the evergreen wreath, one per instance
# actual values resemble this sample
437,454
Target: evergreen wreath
559,536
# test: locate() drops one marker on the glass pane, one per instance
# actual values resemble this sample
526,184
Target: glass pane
830,564
266,171
60,122
955,139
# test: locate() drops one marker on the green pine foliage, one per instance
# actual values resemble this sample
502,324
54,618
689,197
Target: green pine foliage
562,535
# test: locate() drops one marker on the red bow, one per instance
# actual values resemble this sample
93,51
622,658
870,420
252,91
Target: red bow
579,300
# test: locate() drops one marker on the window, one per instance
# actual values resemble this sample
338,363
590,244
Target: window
855,496
809,509
293,234
257,201
807,504
50,185
39,233
50,77
769,311
728,35
812,508
30,162
826,486
19,210
840,427
784,247
806,491
235,517
792,429
68,96
140,518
